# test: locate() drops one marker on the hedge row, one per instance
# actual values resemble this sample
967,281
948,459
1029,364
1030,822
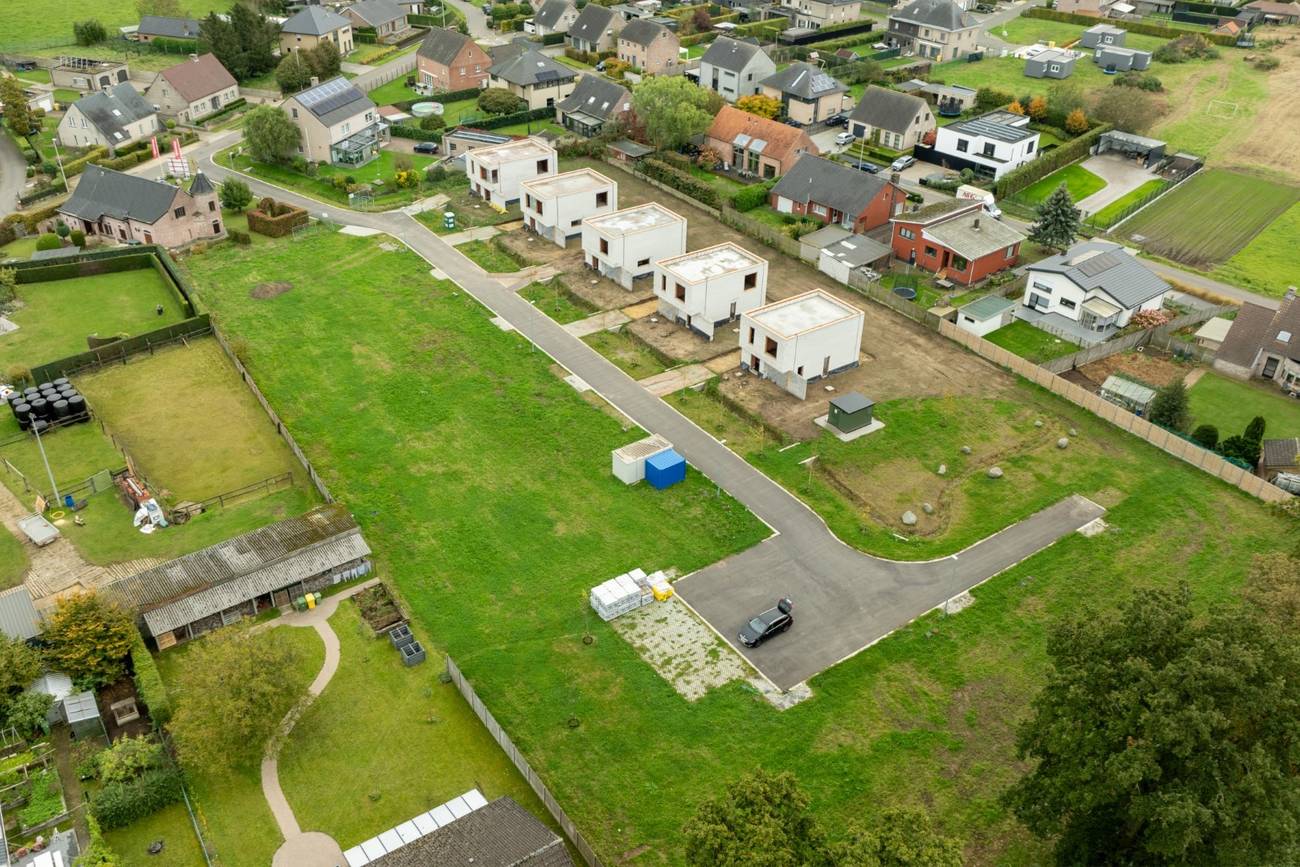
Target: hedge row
229,107
84,268
1048,161
449,96
751,197
149,683
77,166
45,193
414,132
553,38
33,219
658,170
517,117
1142,27
282,219
119,804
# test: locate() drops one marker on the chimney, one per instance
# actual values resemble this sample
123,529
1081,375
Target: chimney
894,178
976,225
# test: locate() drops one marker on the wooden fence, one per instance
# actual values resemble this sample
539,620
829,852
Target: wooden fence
1175,445
1130,341
517,758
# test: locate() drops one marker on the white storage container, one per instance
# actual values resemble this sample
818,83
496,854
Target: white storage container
629,460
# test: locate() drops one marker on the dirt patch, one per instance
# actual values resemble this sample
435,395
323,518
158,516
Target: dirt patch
1272,144
264,291
534,249
1153,368
578,279
683,344
684,651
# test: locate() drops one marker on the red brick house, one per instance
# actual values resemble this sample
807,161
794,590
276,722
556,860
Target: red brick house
755,145
957,240
448,60
836,194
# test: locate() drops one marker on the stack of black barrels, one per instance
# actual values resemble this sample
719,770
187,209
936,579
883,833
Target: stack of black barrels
50,403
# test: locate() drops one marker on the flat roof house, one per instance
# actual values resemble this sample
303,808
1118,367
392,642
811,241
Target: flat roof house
385,17
133,209
339,123
595,29
448,60
115,118
895,120
710,287
1052,63
1091,290
312,25
1100,35
986,314
807,94
649,47
956,240
193,89
757,146
555,206
991,144
595,101
735,68
496,172
155,26
534,78
801,339
1110,57
88,74
625,244
937,30
1264,343
553,16
836,194
243,576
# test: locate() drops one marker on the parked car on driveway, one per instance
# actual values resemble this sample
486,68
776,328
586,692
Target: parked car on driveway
902,163
839,119
789,121
771,622
844,138
426,147
864,166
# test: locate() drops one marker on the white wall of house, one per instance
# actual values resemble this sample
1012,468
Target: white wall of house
498,181
1056,293
807,354
1004,156
624,256
733,85
76,131
705,304
559,216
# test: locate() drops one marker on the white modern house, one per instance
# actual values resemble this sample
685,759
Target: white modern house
555,206
800,339
735,68
625,244
707,288
986,314
496,172
991,144
1090,291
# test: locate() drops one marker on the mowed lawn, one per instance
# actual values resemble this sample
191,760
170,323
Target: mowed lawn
13,559
1030,343
1230,404
341,753
1080,182
483,484
1268,264
1117,209
1210,216
58,315
39,23
1007,74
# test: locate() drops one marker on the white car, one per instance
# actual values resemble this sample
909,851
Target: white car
902,163
844,138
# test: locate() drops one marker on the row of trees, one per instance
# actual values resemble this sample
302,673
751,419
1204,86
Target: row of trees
297,68
1171,409
245,41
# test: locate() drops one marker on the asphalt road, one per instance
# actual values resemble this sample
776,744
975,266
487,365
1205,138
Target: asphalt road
845,600
13,175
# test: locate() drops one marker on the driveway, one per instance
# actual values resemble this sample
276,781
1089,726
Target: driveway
1122,176
13,175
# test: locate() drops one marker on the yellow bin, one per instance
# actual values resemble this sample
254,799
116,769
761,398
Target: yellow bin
311,601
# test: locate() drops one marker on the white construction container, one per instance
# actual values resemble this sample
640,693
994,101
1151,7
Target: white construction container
629,460
620,595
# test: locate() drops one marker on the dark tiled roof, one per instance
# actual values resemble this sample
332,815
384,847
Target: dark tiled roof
829,183
201,185
103,192
597,96
173,28
530,67
1257,328
592,22
198,77
111,110
1108,267
943,14
732,54
376,12
442,45
805,81
887,109
1282,453
314,21
642,31
550,12
502,834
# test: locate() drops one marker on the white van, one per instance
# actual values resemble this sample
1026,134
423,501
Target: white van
966,191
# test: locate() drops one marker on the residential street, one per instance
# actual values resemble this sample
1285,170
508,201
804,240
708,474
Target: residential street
13,174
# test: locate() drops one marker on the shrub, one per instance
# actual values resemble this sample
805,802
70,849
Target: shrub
1076,122
674,177
432,122
148,682
128,759
1140,80
498,100
434,174
78,238
17,373
1149,318
751,197
50,168
48,241
119,804
170,124
98,853
1206,436
89,32
1264,62
275,220
241,238
1190,46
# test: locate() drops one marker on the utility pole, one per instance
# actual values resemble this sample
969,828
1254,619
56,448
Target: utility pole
41,447
58,158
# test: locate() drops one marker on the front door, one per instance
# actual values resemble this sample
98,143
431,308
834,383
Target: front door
1270,367
753,363
826,366
733,309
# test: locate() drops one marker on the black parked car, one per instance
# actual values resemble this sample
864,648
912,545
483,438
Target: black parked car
769,623
838,120
794,123
426,147
864,166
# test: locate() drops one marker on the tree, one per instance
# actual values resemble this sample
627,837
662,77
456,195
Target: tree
1254,437
1126,109
234,691
270,135
244,42
20,664
1076,122
29,713
672,110
1058,220
762,820
17,115
498,100
166,8
89,32
235,195
1206,436
325,60
760,104
701,20
1038,108
432,122
1016,107
987,98
899,838
1169,409
89,638
1272,590
218,36
128,758
1161,739
293,72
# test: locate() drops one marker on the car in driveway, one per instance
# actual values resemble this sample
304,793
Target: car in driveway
864,166
839,119
771,622
844,138
426,147
902,163
789,121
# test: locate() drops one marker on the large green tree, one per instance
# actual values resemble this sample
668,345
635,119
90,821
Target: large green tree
293,73
1170,408
270,135
898,838
236,688
244,41
672,110
325,60
20,664
762,820
1163,739
1058,220
89,638
17,115
499,100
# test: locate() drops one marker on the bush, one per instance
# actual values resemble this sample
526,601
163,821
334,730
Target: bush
128,759
148,682
78,238
241,238
119,804
1264,62
276,219
48,241
50,168
89,32
751,197
432,122
498,100
1206,436
414,132
1190,46
1140,80
693,187
98,853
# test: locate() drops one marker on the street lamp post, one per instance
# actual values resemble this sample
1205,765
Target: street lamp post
45,460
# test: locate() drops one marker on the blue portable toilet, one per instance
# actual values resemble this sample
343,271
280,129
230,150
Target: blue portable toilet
665,469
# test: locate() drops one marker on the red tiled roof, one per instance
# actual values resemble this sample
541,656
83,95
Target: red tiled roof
198,77
783,141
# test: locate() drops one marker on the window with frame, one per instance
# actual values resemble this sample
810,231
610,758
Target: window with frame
680,291
179,212
1030,149
1046,290
751,336
751,280
641,263
931,251
1067,303
543,166
602,199
212,206
907,233
990,149
604,246
1011,251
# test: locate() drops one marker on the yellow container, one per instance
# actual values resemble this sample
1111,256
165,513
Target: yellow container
662,592
311,601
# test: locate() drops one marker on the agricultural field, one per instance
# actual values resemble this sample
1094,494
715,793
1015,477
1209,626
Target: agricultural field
925,718
42,23
1117,209
1229,404
1079,181
1210,217
1267,264
57,315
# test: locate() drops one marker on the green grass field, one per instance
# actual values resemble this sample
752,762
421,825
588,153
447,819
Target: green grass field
1230,404
13,559
1030,343
378,172
58,315
340,752
1268,263
172,826
489,257
556,301
41,23
494,542
21,248
1210,217
1116,210
1007,74
205,436
631,355
1079,181
236,821
1027,31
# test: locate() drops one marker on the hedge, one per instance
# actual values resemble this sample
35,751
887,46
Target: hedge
553,38
414,132
1048,161
33,219
227,109
658,170
751,197
149,683
448,96
1142,27
282,220
84,267
46,192
119,804
75,167
517,117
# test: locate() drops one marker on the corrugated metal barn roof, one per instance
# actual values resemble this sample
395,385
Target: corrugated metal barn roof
18,616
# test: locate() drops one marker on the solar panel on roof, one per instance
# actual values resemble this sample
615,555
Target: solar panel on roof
822,81
323,91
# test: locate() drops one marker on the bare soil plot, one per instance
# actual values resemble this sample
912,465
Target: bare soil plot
587,285
1152,368
683,344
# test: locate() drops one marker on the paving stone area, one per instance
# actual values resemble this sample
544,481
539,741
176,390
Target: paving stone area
679,646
